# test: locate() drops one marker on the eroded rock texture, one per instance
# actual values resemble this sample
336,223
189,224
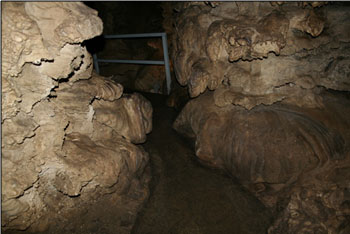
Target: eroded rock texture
269,120
68,136
267,52
281,153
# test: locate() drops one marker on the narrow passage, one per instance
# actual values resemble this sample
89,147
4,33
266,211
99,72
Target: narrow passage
187,197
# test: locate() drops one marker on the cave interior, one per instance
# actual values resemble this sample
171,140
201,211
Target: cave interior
254,136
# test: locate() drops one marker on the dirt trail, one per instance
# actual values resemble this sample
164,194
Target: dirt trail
188,198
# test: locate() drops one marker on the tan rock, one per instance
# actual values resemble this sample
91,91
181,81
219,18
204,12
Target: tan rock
57,158
255,49
277,150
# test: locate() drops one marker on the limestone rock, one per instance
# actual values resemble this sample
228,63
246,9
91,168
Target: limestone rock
322,211
258,73
277,149
131,116
59,154
253,50
55,22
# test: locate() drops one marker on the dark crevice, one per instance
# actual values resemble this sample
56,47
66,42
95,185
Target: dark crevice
64,80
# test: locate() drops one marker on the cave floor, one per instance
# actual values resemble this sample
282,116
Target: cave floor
187,197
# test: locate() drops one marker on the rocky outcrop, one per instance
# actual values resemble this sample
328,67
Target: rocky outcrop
264,52
293,159
68,135
262,74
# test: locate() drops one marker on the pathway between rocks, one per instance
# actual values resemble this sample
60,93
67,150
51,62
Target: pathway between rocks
186,197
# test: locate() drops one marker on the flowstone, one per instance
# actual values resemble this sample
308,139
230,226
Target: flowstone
270,84
69,136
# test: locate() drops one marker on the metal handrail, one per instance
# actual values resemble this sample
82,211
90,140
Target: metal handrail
164,62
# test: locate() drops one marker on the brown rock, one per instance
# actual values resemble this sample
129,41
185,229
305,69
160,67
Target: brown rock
255,51
275,151
60,154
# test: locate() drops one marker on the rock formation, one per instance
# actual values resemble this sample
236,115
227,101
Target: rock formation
261,51
267,115
294,159
68,136
280,152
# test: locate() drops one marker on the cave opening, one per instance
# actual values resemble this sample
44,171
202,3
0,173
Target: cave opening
254,136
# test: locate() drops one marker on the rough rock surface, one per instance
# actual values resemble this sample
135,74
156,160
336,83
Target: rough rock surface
269,119
283,154
68,136
260,53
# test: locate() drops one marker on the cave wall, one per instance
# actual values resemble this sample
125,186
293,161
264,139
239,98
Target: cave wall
68,135
296,161
270,84
267,52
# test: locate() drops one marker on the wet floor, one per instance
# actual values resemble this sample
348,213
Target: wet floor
186,197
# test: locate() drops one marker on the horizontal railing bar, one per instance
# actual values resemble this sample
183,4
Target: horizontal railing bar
133,35
153,62
150,62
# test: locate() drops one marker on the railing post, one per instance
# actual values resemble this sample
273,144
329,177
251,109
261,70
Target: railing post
165,52
166,61
94,56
